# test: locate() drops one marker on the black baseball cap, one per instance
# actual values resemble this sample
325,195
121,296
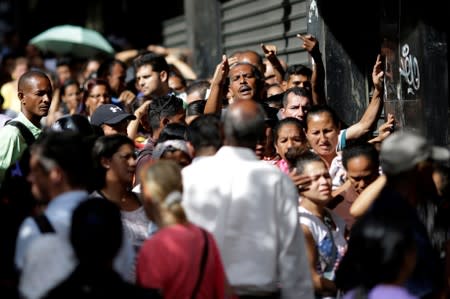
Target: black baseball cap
109,114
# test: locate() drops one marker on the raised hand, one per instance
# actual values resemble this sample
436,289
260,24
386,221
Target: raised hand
269,50
378,74
310,43
222,70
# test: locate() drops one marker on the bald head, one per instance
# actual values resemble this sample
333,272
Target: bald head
28,77
244,124
252,57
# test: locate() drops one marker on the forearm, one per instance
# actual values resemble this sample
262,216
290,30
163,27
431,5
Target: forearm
132,128
277,67
367,197
317,77
214,102
368,119
126,55
185,70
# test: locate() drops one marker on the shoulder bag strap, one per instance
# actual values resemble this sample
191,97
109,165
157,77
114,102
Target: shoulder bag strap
202,264
43,223
24,131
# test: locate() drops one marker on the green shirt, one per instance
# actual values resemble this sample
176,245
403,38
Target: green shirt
12,144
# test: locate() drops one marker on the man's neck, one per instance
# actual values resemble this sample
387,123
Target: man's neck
34,119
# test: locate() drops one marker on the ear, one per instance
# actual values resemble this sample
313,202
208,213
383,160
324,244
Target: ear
56,175
163,76
20,96
105,162
284,84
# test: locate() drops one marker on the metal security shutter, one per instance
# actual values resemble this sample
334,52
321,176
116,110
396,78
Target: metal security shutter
247,24
174,32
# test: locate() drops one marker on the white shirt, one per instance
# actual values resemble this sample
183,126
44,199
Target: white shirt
59,213
251,209
321,234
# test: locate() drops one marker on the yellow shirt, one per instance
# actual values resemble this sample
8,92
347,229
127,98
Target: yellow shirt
9,93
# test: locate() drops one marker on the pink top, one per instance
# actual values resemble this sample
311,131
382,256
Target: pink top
283,165
170,261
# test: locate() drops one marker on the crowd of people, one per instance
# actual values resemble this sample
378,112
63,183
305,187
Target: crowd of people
130,176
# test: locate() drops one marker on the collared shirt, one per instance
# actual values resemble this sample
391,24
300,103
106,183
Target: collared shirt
12,144
251,209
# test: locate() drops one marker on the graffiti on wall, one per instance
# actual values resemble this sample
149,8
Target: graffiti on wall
409,70
313,11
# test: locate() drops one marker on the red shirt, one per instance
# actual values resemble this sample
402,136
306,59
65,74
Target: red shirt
170,261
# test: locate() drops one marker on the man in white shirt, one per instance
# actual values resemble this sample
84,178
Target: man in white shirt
251,208
60,165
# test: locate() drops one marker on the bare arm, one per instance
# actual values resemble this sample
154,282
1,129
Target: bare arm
384,130
270,52
373,111
214,102
172,56
311,45
127,98
321,285
186,71
133,125
126,55
367,197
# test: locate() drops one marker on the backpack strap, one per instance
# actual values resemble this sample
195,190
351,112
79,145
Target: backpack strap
24,131
43,223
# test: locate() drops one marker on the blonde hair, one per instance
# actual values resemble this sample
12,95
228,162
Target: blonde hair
162,182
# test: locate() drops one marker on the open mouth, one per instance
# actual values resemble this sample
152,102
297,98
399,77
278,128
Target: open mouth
245,90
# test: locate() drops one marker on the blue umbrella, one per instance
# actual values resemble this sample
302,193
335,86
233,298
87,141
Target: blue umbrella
72,40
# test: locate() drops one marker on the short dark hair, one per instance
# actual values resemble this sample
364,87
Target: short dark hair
164,106
196,108
70,151
96,231
158,62
106,67
299,91
205,131
362,149
297,69
105,147
305,158
173,131
318,109
288,121
200,85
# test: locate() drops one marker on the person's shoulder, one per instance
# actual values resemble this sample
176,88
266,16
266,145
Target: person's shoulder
9,129
28,227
